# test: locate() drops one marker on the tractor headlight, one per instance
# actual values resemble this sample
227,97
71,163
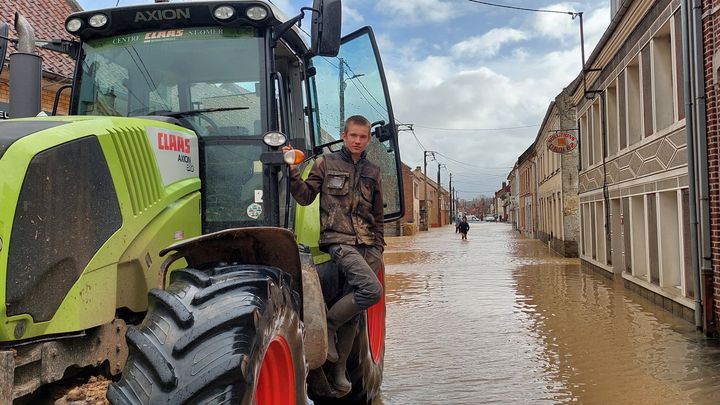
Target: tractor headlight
73,25
224,12
98,20
256,13
274,139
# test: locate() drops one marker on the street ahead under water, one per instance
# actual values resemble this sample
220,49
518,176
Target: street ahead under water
500,318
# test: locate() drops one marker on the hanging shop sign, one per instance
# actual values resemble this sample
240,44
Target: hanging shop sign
562,141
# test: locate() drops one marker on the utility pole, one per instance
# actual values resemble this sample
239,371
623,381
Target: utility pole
424,210
439,192
341,84
450,193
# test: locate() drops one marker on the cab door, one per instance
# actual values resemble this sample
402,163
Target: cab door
353,83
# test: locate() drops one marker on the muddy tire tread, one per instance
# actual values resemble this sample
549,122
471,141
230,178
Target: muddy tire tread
192,350
172,305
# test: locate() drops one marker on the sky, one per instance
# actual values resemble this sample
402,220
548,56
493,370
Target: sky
474,80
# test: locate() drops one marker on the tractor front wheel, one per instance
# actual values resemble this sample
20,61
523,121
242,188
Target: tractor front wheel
231,334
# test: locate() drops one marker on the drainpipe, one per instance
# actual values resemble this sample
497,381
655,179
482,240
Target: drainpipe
690,130
25,73
702,160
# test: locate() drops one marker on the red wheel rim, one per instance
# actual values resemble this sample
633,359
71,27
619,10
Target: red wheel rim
376,323
276,384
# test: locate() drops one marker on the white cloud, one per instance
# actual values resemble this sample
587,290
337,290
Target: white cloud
488,44
415,11
558,26
439,93
351,14
567,29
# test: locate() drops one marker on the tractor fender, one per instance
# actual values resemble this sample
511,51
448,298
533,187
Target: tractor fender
314,315
265,246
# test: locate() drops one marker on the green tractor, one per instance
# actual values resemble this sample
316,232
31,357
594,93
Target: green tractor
158,212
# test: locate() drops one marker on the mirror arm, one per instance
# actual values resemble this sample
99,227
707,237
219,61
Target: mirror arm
282,28
69,48
318,149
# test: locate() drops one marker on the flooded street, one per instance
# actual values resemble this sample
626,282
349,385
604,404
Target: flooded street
501,319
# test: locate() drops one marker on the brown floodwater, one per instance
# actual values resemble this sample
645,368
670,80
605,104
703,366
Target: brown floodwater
502,319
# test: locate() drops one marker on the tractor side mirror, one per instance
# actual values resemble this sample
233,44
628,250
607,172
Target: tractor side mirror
381,131
326,25
3,44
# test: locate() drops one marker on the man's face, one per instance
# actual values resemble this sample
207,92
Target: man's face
356,138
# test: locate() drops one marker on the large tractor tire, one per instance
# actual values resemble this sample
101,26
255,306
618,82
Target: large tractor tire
227,335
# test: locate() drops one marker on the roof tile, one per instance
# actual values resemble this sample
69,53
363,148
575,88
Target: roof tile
48,20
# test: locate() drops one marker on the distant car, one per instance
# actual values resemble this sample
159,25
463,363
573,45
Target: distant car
489,218
473,218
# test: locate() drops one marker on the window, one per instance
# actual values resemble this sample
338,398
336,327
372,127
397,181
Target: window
653,242
131,75
637,236
669,239
633,111
677,44
646,95
597,132
622,111
600,230
612,120
664,113
586,144
626,234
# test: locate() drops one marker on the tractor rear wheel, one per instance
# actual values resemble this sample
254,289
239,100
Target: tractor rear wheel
365,363
231,334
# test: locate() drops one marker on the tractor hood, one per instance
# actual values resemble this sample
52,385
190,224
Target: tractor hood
11,131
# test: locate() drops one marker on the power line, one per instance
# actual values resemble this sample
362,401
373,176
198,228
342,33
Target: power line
412,131
478,129
571,13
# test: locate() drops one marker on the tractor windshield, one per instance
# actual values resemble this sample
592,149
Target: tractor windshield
177,73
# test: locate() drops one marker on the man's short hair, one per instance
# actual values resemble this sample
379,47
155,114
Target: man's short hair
357,120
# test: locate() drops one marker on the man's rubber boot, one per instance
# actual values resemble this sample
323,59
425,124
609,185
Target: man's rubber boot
341,312
345,336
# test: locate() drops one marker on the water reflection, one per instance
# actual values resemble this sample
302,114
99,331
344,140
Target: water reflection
499,318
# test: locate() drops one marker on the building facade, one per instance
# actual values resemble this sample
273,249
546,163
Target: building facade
512,201
557,180
408,224
633,180
526,193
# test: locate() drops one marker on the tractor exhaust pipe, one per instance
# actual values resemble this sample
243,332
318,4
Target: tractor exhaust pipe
25,73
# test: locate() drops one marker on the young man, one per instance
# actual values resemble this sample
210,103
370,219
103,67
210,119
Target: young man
351,230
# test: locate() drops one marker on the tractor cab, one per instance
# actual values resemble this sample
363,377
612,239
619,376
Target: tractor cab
234,72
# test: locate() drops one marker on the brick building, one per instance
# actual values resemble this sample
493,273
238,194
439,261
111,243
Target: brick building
48,20
409,223
711,66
